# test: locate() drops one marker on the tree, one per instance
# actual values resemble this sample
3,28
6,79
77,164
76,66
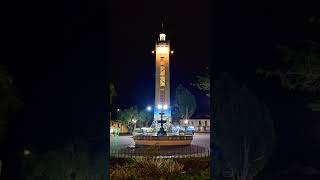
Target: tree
299,69
113,92
185,103
243,129
73,163
8,102
132,117
203,84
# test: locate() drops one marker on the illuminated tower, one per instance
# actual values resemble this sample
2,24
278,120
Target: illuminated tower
162,78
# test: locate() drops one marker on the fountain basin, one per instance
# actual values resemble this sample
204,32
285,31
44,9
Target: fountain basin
162,140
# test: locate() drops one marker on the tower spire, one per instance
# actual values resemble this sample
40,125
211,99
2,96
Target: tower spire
162,27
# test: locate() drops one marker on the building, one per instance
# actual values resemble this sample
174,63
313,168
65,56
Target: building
117,124
200,125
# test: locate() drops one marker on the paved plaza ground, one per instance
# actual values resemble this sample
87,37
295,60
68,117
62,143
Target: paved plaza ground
120,142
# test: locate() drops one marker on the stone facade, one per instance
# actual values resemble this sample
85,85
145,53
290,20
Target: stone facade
200,125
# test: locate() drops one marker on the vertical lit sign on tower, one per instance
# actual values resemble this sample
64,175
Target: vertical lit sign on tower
162,80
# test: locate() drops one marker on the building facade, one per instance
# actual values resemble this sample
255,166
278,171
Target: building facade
117,124
200,125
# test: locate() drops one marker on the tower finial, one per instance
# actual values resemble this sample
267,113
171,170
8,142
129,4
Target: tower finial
162,27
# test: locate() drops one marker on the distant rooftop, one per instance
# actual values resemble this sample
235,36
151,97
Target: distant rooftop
200,116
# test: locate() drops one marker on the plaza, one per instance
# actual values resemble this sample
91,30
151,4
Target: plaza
120,142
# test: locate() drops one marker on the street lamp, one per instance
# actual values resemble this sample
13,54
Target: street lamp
134,121
149,108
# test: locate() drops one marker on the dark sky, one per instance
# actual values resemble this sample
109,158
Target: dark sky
135,28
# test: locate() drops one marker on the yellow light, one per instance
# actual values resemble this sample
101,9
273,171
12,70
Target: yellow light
162,50
162,37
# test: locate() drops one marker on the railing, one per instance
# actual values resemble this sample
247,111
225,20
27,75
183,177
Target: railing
180,153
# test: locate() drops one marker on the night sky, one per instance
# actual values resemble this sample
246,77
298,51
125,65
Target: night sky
63,57
135,28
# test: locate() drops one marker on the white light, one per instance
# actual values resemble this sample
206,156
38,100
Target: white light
162,37
186,121
162,50
118,109
165,107
134,121
26,152
149,108
159,106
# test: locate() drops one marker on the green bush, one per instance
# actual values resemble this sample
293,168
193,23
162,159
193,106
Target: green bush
194,165
158,167
201,175
147,168
65,165
123,173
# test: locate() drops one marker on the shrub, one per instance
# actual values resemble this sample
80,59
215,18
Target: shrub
158,167
194,165
147,168
123,173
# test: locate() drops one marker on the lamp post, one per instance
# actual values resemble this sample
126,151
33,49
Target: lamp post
134,121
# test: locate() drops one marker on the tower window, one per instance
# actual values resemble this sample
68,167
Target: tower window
162,37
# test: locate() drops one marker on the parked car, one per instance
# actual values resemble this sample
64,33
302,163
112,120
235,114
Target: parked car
190,130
